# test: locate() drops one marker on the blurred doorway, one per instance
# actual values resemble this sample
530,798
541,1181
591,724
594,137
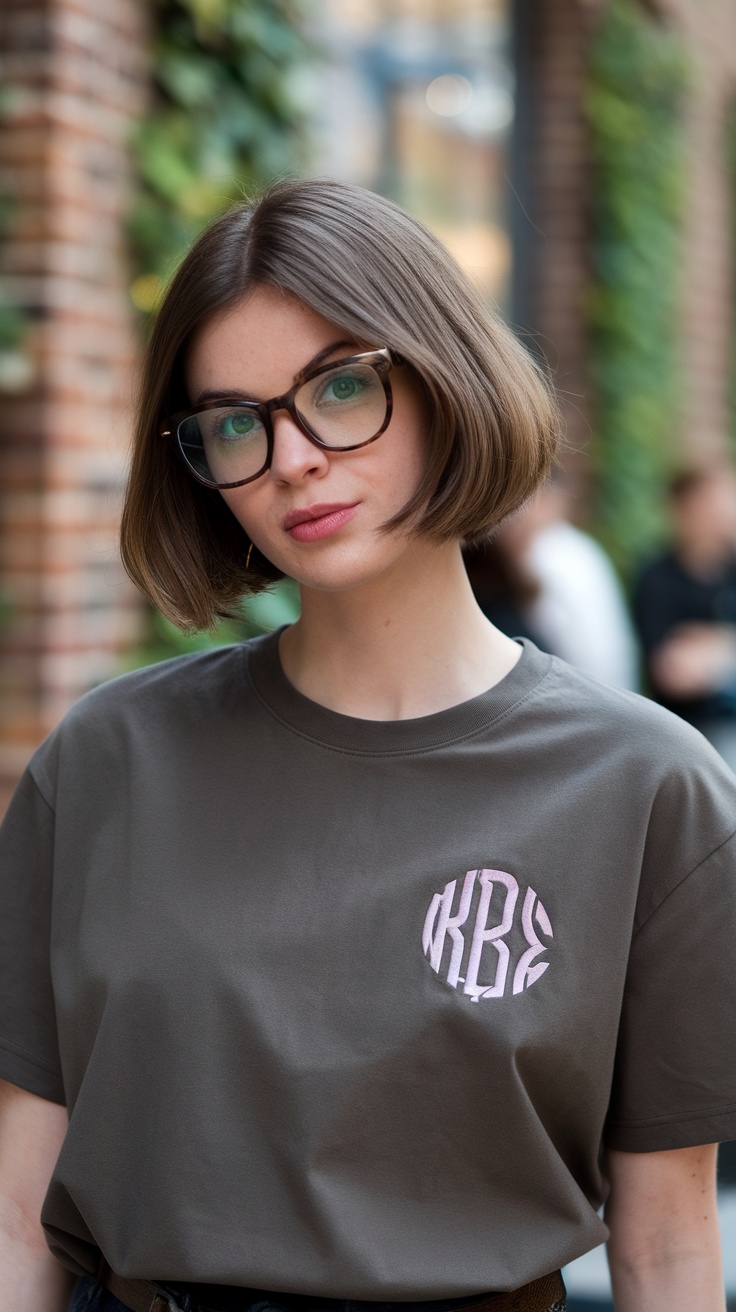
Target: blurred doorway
416,100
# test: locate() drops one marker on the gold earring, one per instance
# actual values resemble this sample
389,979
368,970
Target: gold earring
247,559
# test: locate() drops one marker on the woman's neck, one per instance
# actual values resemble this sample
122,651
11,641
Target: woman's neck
409,643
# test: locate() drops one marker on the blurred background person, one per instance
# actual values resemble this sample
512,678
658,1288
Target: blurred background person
504,589
685,606
545,579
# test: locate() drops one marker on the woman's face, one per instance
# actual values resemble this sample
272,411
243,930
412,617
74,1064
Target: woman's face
257,348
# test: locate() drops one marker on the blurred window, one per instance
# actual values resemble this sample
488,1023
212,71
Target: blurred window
416,101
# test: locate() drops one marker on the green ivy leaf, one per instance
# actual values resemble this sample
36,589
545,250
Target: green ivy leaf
222,118
637,80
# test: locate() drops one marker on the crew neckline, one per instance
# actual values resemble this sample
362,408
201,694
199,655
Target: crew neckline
387,737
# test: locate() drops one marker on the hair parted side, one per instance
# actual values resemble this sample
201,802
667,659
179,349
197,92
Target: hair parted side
376,273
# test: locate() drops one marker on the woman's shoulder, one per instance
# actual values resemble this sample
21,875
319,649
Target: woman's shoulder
623,753
153,705
626,736
589,698
574,701
164,685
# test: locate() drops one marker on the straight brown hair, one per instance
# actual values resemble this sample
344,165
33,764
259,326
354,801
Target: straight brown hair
380,276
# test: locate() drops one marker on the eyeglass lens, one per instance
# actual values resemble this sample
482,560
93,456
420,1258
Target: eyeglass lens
343,407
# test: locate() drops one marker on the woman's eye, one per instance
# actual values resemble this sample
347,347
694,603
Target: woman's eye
237,424
345,387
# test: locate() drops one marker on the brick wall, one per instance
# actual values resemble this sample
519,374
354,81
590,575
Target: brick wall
76,72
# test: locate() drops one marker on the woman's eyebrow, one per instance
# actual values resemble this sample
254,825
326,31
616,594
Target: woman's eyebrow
224,394
236,394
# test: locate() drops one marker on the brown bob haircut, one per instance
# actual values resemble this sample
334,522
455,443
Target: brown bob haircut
379,276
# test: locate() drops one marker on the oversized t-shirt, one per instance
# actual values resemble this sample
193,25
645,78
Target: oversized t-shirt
347,1007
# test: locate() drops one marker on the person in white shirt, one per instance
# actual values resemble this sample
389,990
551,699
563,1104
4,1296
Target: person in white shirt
579,611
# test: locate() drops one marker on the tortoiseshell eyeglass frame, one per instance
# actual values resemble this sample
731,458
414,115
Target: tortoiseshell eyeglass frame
382,360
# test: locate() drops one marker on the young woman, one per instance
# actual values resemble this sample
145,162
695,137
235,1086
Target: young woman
370,959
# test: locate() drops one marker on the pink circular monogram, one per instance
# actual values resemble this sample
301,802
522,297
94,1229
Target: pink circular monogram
465,935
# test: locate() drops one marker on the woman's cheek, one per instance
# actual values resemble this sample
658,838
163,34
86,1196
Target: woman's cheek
244,512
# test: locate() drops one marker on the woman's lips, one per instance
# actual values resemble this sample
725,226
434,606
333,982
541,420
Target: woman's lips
321,523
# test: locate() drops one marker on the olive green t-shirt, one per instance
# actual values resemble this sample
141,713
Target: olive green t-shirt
349,1008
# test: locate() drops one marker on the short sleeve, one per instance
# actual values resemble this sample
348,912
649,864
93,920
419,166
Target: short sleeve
675,1076
29,1053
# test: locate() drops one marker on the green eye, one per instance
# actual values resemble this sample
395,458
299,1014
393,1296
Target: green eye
233,425
239,424
341,396
344,387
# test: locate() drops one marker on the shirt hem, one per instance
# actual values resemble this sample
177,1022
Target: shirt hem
684,1132
27,1072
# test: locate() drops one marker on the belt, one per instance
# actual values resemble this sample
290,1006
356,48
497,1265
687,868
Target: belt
538,1296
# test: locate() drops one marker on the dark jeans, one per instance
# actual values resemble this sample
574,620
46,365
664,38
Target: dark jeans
89,1296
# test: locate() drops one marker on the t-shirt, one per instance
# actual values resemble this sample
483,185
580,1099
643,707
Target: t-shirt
665,596
346,1007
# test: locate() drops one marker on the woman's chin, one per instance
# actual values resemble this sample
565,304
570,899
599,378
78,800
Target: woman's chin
335,581
343,571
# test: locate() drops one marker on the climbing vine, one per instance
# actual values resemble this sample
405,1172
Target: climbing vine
227,115
637,82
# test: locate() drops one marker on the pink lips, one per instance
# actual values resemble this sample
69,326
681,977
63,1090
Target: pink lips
317,521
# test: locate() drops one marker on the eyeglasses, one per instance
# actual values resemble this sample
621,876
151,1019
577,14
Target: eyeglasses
341,406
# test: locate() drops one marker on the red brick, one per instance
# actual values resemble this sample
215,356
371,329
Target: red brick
75,70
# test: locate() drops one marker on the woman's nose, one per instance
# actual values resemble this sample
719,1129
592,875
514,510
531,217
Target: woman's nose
294,456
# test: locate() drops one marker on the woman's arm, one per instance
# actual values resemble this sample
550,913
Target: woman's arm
665,1249
31,1134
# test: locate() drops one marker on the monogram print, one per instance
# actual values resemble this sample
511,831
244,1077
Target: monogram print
494,896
